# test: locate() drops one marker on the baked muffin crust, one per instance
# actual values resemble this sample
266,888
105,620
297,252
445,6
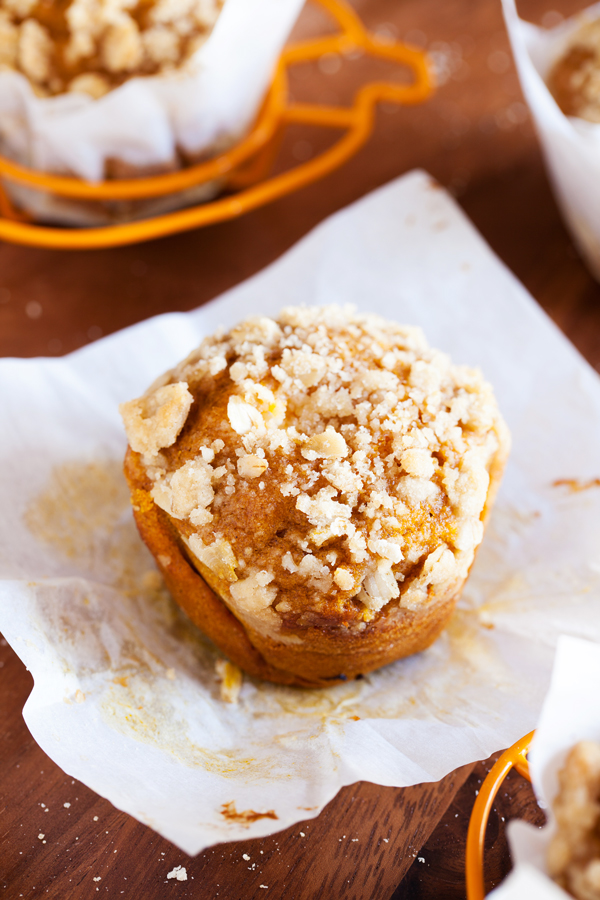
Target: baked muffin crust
326,473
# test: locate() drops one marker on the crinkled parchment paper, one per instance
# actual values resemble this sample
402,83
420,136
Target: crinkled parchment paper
125,696
204,106
571,713
571,145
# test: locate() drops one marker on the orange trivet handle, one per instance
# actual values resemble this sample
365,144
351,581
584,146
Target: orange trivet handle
515,756
244,164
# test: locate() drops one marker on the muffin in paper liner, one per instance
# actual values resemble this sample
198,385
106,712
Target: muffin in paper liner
149,123
314,487
564,762
571,145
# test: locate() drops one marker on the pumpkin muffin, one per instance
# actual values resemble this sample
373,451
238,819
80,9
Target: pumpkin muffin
574,852
574,80
92,46
314,488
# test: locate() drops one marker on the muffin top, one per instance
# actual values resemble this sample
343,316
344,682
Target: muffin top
574,79
324,467
574,852
92,46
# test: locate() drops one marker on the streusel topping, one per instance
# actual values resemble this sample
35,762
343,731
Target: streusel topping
91,46
331,466
574,852
575,79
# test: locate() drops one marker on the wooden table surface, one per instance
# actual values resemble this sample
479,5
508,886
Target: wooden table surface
475,137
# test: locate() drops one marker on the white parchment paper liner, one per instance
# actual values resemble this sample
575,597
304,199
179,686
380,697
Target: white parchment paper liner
165,749
571,713
571,146
208,104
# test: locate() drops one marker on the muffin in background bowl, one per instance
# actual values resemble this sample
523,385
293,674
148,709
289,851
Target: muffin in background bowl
574,79
314,488
574,851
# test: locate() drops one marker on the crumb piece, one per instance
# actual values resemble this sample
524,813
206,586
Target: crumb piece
343,578
179,873
91,83
231,677
41,837
243,417
95,818
251,466
66,805
79,697
327,445
246,857
255,592
155,420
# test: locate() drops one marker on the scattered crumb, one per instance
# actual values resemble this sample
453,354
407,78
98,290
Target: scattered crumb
66,805
420,859
95,818
231,680
97,878
41,837
79,697
179,873
245,856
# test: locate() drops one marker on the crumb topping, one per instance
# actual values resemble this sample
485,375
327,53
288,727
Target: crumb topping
155,420
332,466
575,78
574,852
92,46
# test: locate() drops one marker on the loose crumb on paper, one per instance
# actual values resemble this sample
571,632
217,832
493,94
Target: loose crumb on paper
231,678
179,873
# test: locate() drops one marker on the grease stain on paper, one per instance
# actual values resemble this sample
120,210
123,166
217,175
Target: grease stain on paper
247,817
575,485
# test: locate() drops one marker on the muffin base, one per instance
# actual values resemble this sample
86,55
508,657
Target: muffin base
323,656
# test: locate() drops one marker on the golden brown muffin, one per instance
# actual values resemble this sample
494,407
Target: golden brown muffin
314,489
574,80
91,46
574,852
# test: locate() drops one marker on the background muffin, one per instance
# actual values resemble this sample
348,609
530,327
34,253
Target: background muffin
91,46
575,78
328,475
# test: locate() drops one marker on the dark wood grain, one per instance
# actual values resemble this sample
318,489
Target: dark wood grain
475,137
